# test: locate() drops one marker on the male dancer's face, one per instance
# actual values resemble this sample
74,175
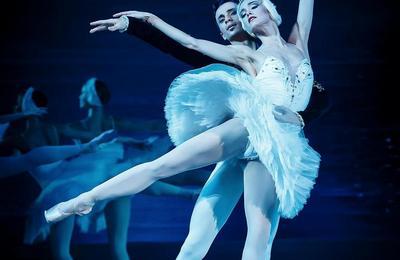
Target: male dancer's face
229,23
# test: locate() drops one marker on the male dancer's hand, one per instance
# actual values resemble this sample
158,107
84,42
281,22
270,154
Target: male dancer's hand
284,115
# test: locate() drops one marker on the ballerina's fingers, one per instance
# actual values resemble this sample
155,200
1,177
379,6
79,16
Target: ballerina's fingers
107,22
114,27
127,13
280,109
98,29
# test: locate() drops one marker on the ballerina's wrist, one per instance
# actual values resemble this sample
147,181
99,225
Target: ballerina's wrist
125,23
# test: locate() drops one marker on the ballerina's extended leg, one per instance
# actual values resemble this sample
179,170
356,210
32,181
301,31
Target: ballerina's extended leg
216,144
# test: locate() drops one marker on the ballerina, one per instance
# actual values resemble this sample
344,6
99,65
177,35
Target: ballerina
287,165
225,185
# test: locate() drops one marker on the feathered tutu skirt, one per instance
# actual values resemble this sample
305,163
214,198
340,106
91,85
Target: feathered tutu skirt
204,98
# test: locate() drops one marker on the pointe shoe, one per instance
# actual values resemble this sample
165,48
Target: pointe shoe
80,205
55,214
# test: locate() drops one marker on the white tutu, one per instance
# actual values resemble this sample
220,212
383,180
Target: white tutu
204,98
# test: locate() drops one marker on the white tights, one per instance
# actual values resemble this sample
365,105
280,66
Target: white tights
217,200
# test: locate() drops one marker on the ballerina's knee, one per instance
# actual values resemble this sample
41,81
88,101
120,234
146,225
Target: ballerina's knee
204,150
210,150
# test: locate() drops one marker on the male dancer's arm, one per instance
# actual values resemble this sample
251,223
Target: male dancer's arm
156,38
318,106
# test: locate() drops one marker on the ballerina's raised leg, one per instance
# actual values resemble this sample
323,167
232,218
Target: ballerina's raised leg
216,144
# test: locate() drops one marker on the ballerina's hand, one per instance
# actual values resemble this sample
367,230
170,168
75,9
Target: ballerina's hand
111,25
135,14
81,205
284,115
104,137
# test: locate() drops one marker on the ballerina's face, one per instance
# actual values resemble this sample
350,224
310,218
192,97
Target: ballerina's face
228,20
253,14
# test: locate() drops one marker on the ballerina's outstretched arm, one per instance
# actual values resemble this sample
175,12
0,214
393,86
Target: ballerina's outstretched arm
304,18
48,154
234,54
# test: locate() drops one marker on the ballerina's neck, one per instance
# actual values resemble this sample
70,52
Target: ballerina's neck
272,40
269,33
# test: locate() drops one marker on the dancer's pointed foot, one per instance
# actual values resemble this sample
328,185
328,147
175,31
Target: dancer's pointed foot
81,205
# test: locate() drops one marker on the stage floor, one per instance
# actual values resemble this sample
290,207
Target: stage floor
283,249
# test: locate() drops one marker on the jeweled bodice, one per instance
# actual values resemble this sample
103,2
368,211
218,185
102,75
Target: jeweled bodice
275,82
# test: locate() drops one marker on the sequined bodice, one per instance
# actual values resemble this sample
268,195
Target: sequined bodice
275,82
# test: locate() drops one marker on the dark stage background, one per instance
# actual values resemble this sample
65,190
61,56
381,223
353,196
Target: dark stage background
353,212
